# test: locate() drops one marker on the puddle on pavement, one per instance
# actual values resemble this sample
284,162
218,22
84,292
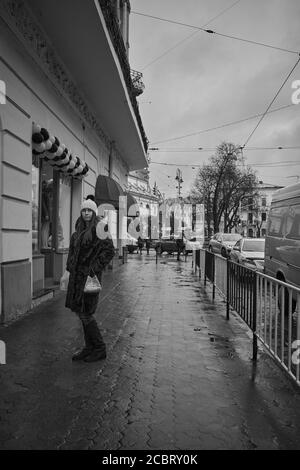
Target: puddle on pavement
222,343
218,337
181,283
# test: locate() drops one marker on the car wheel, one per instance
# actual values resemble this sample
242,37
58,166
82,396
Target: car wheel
211,249
224,253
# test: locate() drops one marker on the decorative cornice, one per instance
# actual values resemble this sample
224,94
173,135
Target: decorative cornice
17,15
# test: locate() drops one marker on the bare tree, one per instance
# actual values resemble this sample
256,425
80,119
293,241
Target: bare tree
221,184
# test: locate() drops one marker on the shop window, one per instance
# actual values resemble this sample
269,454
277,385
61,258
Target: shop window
35,203
47,216
64,212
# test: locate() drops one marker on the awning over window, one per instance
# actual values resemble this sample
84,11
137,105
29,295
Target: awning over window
107,191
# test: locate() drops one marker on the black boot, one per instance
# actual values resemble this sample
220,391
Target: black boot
99,350
86,351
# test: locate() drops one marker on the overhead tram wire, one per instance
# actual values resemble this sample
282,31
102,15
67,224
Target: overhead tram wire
264,114
188,37
210,31
271,164
211,149
172,139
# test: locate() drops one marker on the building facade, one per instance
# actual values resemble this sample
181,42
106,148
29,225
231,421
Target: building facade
147,202
254,211
69,114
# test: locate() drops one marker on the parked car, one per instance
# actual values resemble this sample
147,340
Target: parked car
131,243
170,246
223,242
282,249
249,252
153,243
192,244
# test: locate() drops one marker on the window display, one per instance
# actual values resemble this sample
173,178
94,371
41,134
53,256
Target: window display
35,204
64,212
47,207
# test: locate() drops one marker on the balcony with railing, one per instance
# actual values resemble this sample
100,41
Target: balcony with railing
137,82
132,80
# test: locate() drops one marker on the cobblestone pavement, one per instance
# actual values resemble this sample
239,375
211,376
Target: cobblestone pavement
178,375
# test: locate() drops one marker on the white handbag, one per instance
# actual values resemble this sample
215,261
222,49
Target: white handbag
92,285
64,280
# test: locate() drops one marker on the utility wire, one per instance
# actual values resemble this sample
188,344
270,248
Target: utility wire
210,31
222,126
196,150
272,148
262,117
278,164
287,163
188,37
169,50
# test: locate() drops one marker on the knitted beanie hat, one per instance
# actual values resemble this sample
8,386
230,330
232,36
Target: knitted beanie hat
89,204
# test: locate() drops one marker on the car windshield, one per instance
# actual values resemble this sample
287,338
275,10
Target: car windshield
254,245
231,237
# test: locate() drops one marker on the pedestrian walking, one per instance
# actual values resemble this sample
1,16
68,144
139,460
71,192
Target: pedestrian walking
140,245
88,255
148,244
180,247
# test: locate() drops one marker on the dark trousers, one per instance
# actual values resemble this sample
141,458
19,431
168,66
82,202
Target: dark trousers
92,335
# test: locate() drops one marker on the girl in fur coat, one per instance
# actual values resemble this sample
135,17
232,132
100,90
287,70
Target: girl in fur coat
88,255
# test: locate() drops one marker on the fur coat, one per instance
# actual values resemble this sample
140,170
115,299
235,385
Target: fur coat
84,260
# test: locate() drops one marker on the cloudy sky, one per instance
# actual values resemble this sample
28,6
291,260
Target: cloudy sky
195,81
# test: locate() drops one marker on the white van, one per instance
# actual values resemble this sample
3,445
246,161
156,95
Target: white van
282,246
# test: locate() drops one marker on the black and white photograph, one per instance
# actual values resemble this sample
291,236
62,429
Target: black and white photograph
149,229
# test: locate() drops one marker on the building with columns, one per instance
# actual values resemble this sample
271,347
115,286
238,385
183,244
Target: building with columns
68,115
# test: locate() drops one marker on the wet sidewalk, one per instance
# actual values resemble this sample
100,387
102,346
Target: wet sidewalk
178,375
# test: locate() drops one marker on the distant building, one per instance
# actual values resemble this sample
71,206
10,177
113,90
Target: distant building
139,187
254,211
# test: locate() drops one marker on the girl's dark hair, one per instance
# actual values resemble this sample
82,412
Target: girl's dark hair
86,232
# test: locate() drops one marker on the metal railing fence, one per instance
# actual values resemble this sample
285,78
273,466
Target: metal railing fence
241,293
209,261
221,274
269,306
278,321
